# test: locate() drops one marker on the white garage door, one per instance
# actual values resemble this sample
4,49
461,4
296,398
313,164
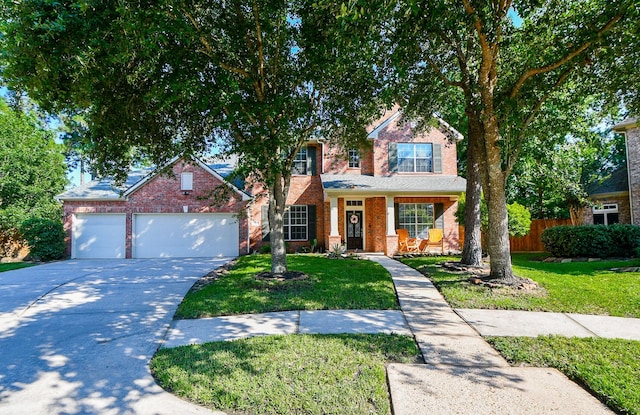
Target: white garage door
98,236
185,235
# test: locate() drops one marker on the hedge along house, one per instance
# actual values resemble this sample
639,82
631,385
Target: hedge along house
161,213
617,199
356,197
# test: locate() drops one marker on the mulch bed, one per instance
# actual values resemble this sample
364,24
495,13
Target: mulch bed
479,275
212,276
287,276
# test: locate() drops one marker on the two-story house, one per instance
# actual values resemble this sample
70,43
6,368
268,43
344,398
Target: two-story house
403,181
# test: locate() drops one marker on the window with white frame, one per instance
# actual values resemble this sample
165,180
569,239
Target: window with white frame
186,181
300,162
354,159
606,214
415,157
296,223
417,218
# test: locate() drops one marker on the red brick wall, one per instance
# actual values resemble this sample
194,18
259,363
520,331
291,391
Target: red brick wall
162,194
396,131
304,190
624,211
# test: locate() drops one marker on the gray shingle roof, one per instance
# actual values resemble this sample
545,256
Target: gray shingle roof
105,189
618,181
435,184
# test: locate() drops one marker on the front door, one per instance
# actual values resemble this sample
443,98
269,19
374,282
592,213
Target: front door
354,229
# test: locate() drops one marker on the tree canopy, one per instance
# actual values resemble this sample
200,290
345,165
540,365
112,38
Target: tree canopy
32,171
255,78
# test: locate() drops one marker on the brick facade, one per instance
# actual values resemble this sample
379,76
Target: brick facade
633,164
162,194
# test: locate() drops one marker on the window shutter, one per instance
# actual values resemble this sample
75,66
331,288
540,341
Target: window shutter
265,223
311,161
437,158
311,222
393,157
439,207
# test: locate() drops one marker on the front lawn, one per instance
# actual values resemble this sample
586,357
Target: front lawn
297,374
609,367
332,284
576,287
8,266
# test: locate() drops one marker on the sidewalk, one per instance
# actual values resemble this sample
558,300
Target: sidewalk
463,373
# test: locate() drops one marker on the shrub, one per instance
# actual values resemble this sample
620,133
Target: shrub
45,238
519,219
592,240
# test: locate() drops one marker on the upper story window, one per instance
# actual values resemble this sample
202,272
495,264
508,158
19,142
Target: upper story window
300,162
186,181
415,157
354,159
606,214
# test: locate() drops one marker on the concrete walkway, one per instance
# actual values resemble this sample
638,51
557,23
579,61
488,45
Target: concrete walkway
463,373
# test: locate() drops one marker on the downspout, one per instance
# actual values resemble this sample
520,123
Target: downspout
322,160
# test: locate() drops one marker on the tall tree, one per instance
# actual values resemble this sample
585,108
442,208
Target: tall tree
253,77
32,170
506,71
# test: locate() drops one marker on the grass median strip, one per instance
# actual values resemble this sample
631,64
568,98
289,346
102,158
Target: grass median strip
8,266
332,284
608,367
577,287
296,374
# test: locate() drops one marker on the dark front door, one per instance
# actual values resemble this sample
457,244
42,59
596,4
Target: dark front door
354,229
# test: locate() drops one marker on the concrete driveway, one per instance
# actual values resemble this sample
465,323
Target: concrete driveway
76,336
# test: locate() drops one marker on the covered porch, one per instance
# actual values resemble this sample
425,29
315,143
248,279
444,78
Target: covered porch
364,212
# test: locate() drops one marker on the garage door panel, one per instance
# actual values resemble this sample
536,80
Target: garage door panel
185,235
99,236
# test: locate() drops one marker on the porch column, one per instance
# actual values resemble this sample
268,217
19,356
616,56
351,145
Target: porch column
334,234
391,247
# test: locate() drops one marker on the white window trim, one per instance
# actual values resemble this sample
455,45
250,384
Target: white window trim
355,159
301,158
399,165
433,213
287,226
186,181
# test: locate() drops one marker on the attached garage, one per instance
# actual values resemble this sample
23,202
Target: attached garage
98,235
185,235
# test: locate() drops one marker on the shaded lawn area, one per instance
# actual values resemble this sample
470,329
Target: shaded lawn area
8,266
576,287
296,374
608,367
332,284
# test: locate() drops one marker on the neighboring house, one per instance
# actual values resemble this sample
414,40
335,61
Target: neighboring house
617,199
354,197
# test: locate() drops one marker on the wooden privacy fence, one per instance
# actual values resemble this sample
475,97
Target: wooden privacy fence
533,241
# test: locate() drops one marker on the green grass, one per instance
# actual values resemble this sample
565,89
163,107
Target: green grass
333,284
608,367
577,287
296,374
8,266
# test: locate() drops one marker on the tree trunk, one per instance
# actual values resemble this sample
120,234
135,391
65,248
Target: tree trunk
472,250
277,204
498,233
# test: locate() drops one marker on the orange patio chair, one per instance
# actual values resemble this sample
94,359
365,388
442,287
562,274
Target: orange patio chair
436,238
405,243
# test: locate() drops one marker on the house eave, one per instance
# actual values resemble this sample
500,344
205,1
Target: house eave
626,125
609,195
